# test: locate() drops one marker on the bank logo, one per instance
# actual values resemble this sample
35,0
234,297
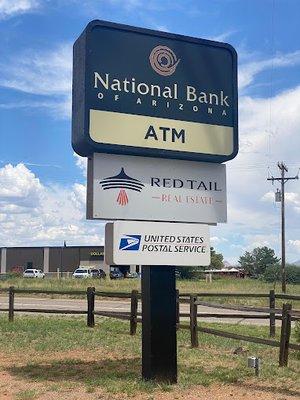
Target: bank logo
163,60
130,242
124,182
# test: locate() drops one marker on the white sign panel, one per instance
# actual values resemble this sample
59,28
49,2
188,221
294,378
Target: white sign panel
156,243
151,189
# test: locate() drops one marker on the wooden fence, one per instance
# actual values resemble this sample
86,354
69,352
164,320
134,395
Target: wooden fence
285,314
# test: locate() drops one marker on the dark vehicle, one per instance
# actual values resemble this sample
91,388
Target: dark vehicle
102,274
98,273
116,275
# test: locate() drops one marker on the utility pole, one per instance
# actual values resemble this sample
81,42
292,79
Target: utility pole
283,179
61,258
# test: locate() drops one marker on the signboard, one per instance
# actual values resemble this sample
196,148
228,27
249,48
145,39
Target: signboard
96,253
156,243
138,188
139,94
148,93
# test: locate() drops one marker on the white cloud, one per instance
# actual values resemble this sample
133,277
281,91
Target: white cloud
267,125
162,28
217,240
295,244
269,132
19,184
47,74
293,198
9,8
222,37
44,73
249,70
81,163
35,214
269,197
260,240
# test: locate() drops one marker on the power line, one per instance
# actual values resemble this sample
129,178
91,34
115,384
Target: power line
283,180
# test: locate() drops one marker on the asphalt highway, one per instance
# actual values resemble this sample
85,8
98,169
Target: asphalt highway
120,305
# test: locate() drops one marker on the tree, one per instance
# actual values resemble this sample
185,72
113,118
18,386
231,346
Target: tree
273,274
217,259
256,262
187,272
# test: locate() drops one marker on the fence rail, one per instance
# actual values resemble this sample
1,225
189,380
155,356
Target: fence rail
286,315
49,291
230,335
246,295
238,308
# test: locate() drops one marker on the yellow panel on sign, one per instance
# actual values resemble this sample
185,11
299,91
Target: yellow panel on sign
160,133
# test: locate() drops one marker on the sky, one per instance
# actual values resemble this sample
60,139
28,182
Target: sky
42,181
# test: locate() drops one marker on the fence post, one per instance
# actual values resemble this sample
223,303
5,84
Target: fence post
133,311
272,313
90,294
177,309
285,335
193,321
11,299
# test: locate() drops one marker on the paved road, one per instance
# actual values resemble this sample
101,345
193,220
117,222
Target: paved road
118,305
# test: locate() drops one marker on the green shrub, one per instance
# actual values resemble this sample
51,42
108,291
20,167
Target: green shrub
187,272
273,273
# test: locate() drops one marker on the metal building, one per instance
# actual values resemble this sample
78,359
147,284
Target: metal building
50,259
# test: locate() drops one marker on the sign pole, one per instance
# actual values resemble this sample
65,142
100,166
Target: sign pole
159,340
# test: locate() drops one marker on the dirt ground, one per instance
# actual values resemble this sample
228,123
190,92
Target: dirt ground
13,389
14,386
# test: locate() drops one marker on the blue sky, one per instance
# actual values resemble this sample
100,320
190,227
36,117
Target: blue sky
42,183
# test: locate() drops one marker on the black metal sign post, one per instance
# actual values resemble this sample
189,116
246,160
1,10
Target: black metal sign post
159,341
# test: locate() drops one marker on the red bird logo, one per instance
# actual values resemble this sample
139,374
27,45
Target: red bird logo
124,182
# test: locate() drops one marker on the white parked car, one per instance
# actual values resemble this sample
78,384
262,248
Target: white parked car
82,273
33,273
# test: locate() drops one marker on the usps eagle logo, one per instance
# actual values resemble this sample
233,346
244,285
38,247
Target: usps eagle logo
123,182
130,242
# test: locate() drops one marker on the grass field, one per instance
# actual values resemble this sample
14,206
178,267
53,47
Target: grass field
60,358
186,286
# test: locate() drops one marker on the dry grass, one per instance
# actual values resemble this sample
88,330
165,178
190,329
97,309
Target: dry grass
60,358
186,286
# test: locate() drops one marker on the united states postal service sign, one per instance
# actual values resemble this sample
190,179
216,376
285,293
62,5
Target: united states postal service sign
149,189
148,93
156,243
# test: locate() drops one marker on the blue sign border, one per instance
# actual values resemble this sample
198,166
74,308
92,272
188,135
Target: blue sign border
81,141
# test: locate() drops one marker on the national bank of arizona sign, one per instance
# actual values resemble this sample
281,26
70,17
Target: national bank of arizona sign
142,92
